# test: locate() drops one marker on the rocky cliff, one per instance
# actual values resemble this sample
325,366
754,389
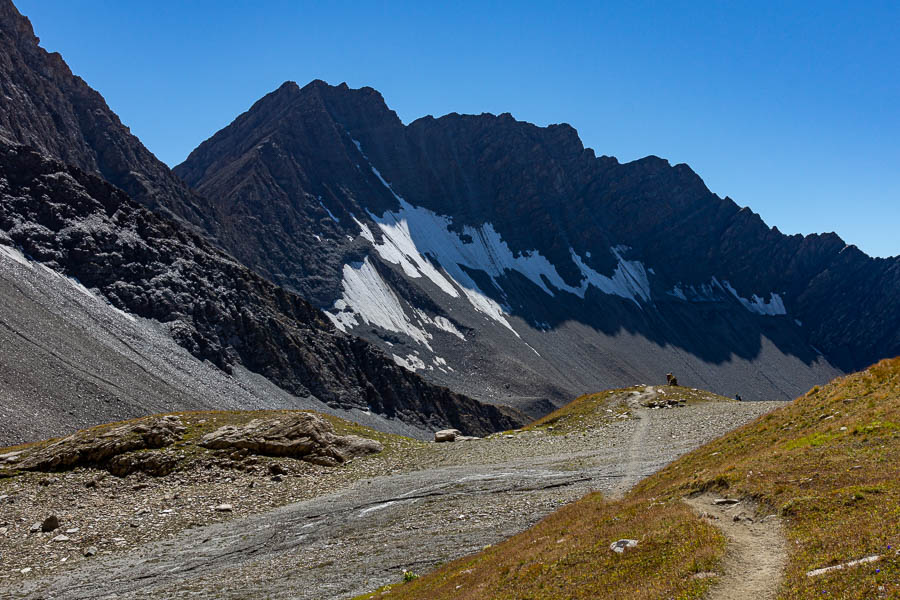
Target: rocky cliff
81,226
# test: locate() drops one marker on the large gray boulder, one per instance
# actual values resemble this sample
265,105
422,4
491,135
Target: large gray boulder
447,435
300,435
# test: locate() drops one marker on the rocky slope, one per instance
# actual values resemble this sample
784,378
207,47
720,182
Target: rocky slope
310,531
531,267
79,225
45,106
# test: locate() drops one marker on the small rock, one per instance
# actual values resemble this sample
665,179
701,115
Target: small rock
61,538
621,545
35,528
704,575
90,551
725,501
277,469
224,508
25,571
277,478
50,523
71,530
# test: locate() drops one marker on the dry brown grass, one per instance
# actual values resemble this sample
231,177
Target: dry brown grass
591,410
828,463
567,555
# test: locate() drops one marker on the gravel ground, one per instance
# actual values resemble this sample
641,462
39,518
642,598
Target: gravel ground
323,532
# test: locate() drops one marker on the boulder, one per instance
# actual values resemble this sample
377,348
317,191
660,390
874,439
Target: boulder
447,435
300,435
89,448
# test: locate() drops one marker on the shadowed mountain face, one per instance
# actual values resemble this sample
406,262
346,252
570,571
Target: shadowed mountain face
218,310
45,106
508,261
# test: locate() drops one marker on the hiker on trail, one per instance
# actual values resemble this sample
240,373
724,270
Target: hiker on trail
671,379
738,398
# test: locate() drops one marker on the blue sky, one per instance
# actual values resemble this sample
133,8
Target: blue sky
792,109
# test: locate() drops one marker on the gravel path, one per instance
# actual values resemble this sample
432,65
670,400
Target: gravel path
447,500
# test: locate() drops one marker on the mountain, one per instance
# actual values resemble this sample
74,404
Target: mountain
160,319
60,219
45,106
511,263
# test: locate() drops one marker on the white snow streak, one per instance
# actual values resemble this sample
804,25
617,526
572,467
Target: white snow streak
14,254
330,214
410,363
716,291
773,306
368,296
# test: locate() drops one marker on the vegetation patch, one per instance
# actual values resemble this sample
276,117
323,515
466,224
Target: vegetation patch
568,555
828,464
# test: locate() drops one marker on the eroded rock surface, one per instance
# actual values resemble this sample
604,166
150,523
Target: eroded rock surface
302,435
105,449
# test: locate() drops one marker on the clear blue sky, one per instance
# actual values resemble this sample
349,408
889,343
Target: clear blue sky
792,109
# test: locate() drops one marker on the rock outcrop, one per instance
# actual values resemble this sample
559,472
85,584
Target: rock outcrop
93,448
301,435
48,107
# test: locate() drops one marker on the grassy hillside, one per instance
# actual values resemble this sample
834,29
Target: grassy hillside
593,409
828,464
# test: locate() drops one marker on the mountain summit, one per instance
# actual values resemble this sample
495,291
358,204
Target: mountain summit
508,261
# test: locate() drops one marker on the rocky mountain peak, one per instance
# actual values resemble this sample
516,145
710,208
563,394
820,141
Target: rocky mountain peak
49,108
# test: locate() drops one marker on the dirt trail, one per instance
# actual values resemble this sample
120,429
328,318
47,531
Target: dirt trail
756,553
634,463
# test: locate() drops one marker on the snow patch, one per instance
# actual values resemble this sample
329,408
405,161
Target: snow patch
410,363
367,296
678,293
716,291
774,306
14,254
413,235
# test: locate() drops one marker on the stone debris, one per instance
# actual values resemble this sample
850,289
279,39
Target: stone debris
224,508
620,546
852,563
50,523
